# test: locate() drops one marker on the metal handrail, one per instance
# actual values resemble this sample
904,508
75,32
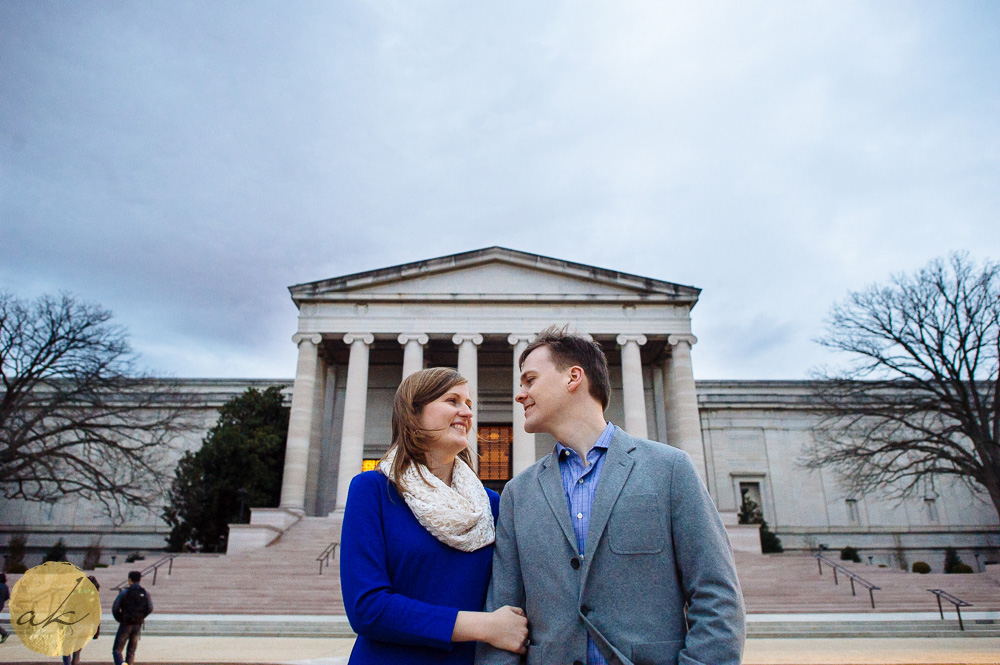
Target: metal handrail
854,577
954,600
328,554
169,559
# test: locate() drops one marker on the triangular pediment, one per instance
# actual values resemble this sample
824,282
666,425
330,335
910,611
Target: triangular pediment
493,273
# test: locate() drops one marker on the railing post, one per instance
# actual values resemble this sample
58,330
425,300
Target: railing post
961,625
835,582
940,609
819,562
852,587
155,570
170,568
871,594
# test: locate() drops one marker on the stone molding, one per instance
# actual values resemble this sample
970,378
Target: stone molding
367,338
353,286
674,340
313,338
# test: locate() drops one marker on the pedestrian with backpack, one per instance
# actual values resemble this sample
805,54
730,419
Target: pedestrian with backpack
130,609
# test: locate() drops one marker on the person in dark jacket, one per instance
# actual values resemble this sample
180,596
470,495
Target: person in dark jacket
74,658
4,597
130,609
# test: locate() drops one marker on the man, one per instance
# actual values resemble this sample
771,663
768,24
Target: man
611,544
130,609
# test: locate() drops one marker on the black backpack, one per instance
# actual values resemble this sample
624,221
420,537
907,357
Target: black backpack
134,606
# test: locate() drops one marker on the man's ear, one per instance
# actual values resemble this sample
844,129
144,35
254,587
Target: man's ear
576,375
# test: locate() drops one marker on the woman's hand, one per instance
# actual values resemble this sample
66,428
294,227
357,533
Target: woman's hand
505,628
508,629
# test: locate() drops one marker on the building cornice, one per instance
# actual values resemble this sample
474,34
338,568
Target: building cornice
353,286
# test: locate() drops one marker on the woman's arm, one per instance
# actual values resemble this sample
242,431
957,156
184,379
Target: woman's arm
505,628
373,609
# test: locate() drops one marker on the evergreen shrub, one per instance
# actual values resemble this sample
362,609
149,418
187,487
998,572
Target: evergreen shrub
850,554
56,553
953,563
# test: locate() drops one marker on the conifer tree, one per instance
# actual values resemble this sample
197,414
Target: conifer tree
243,455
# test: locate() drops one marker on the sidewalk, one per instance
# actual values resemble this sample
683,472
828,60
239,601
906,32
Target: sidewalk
154,650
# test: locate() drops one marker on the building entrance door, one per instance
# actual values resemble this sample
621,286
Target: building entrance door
495,459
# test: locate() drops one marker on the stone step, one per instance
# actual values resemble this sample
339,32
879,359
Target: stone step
284,579
758,627
849,629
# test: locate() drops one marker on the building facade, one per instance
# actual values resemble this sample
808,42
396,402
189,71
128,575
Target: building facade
359,335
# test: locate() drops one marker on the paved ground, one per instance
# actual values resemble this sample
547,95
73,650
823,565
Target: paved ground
325,651
168,649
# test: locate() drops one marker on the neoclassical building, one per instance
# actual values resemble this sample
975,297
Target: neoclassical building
358,335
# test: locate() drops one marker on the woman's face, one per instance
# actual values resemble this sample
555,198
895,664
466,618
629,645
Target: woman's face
448,419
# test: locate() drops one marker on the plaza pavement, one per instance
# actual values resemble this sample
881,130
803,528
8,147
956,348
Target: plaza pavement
188,650
334,651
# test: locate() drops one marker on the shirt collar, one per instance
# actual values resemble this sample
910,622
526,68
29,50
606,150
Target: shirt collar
603,441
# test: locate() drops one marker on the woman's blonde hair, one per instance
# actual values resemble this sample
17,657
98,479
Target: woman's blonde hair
409,440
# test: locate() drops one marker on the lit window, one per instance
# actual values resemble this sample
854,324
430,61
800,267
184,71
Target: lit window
369,464
495,443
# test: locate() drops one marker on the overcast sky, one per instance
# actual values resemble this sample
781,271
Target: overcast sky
184,163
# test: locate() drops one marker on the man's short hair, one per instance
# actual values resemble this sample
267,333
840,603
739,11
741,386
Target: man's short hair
569,349
134,576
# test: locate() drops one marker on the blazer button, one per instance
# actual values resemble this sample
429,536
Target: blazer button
574,562
584,610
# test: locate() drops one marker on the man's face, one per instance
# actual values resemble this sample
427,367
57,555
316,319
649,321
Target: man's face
543,390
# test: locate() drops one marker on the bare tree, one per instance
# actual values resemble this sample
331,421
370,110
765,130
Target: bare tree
76,417
919,400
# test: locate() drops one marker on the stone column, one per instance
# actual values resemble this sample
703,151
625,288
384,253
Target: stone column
632,394
413,352
523,449
300,423
352,439
468,366
683,422
316,437
659,404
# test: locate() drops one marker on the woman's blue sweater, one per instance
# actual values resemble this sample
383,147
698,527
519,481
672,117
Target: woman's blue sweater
402,587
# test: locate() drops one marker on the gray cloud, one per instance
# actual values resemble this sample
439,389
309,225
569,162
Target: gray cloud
183,163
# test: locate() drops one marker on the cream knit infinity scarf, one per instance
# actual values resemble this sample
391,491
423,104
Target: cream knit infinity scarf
459,516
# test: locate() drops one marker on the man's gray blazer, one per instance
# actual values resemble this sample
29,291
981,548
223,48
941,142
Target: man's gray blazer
656,547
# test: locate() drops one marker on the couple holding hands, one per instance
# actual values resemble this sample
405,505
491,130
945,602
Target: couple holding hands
608,550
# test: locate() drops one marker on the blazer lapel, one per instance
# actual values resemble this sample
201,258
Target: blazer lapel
617,468
552,488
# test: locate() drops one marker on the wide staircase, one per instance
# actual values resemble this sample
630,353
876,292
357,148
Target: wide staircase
282,578
792,584
283,583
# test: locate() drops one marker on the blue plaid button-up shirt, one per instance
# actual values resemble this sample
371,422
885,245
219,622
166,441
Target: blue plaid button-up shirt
580,484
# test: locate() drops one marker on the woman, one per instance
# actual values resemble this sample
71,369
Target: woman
417,543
